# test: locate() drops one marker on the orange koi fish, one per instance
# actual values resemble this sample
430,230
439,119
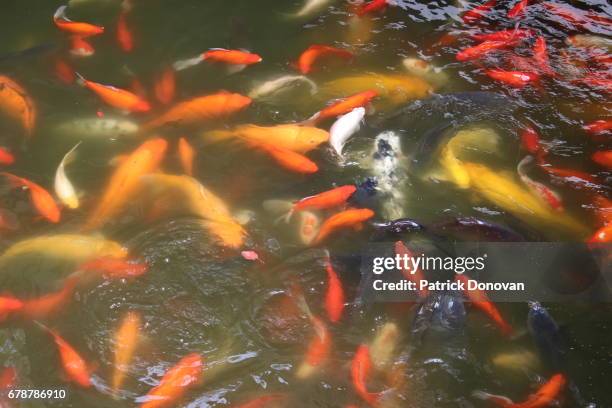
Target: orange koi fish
318,350
165,86
415,275
82,29
517,79
481,301
79,47
484,48
6,157
603,209
598,127
113,268
126,179
544,397
371,7
286,158
123,34
518,8
115,97
236,58
15,103
478,12
325,200
186,155
504,35
603,158
8,378
40,198
262,402
353,217
342,106
604,234
64,72
50,304
8,305
361,367
74,366
126,339
175,382
334,297
313,53
202,108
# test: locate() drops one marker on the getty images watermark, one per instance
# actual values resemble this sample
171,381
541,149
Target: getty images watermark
512,272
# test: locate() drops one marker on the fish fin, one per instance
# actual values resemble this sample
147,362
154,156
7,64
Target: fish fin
311,121
60,13
70,155
187,63
498,400
79,79
14,181
234,69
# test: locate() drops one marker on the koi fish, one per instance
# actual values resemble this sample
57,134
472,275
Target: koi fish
174,383
481,301
188,195
414,275
505,35
8,378
313,53
584,40
109,127
64,72
478,12
79,47
71,247
361,367
261,402
202,108
570,175
286,158
308,227
517,79
186,155
342,106
310,7
604,234
425,70
602,207
299,139
6,157
318,349
384,345
165,86
74,366
236,58
42,201
17,104
115,97
371,7
114,268
334,296
598,127
323,201
125,340
125,180
603,158
544,397
540,56
353,217
484,48
77,28
49,304
550,197
530,140
123,34
8,305
274,86
63,187
516,360
344,128
518,8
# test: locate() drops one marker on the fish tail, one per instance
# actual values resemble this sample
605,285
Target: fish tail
14,180
42,326
311,121
498,400
60,13
70,156
187,63
80,79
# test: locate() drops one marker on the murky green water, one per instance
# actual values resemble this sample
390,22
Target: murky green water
198,297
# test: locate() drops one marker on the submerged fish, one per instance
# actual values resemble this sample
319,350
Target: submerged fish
115,97
547,336
315,52
106,127
311,7
126,339
63,186
586,40
42,201
344,128
72,27
17,104
425,70
73,364
274,86
545,396
516,360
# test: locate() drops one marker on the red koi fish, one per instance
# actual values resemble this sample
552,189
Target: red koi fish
603,158
570,175
415,275
518,8
540,56
315,52
552,198
8,305
575,16
8,378
478,12
64,72
79,47
113,268
598,127
481,301
342,106
165,86
530,140
175,382
504,35
74,366
353,217
484,48
236,58
50,304
334,297
124,36
261,402
6,157
602,235
371,7
325,200
544,397
602,207
361,367
115,97
517,79
42,201
72,27
186,156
